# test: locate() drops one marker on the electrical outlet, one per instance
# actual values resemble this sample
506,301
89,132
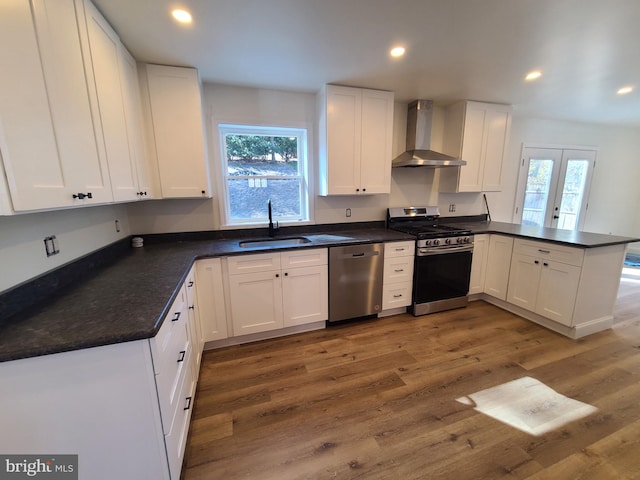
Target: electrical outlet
452,207
51,246
348,212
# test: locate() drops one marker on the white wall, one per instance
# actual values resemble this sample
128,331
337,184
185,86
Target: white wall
79,231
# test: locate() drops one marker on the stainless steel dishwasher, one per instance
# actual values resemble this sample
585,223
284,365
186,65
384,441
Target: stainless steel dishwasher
355,281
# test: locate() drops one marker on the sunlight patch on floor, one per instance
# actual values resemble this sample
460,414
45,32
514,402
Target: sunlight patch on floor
528,405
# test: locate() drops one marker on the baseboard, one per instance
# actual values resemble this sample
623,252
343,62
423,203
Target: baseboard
579,331
256,337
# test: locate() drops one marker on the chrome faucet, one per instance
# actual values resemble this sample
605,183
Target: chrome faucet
272,229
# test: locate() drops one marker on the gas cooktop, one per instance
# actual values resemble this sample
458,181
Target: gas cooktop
423,222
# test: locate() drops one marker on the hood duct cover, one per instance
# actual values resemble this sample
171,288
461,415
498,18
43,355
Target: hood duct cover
419,153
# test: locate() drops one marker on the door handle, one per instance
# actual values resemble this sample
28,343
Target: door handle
555,217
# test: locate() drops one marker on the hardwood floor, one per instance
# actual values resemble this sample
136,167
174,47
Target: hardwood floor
376,400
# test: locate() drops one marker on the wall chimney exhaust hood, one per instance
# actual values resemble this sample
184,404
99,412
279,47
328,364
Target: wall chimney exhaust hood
419,153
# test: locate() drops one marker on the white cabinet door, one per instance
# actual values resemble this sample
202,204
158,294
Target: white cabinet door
479,263
48,143
479,134
375,149
210,296
557,292
498,266
344,130
523,281
104,46
305,295
497,131
177,130
145,170
256,302
356,129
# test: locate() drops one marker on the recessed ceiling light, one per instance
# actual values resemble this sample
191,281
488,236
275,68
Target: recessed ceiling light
625,90
181,15
534,75
397,51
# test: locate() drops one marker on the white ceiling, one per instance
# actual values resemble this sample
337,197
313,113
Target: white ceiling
456,49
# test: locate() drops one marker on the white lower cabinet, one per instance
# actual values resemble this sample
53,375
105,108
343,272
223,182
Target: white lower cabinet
397,283
195,326
479,263
499,253
544,278
123,408
276,290
211,302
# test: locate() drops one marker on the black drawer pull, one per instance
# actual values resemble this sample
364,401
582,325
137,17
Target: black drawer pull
544,251
82,196
188,403
536,262
397,296
176,317
545,264
191,307
181,357
399,270
399,249
190,284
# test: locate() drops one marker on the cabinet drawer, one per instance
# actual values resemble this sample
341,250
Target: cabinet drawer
398,270
171,351
303,258
176,435
260,262
170,335
396,295
399,249
550,251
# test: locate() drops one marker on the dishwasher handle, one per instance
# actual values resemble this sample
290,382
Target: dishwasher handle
363,254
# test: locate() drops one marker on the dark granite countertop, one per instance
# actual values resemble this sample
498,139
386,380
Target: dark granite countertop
128,299
569,238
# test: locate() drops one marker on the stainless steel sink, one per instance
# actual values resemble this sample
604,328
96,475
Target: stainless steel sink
274,242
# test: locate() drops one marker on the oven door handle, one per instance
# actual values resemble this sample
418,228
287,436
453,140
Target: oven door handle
441,251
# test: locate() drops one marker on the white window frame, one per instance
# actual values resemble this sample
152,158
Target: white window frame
302,133
562,152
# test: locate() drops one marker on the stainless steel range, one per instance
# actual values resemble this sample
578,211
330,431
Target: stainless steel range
443,259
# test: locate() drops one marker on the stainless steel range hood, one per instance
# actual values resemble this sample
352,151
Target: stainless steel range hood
419,153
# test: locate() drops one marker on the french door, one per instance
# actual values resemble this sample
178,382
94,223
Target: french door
553,187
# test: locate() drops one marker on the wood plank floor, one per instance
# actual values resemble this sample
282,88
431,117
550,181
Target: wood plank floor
376,400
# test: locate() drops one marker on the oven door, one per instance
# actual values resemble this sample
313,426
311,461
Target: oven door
441,275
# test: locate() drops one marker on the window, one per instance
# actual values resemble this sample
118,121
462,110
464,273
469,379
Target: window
261,164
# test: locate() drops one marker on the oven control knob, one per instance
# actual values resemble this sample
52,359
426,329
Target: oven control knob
460,240
436,242
448,241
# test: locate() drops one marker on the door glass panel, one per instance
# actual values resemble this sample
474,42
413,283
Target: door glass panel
572,193
536,192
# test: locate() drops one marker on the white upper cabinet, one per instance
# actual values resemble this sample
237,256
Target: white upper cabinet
356,129
47,136
146,170
175,129
479,134
105,48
